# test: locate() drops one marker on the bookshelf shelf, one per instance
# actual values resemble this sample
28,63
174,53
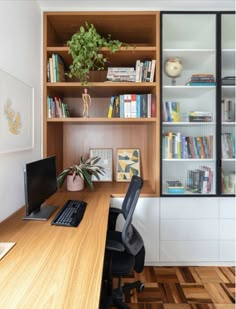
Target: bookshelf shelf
69,138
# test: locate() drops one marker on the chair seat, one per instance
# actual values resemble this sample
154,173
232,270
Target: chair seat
122,262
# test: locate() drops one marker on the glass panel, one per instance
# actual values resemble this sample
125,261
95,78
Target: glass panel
189,104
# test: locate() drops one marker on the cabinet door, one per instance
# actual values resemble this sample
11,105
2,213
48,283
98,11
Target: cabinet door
188,103
228,183
146,220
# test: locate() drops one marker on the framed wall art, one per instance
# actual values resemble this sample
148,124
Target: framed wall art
106,161
16,114
128,164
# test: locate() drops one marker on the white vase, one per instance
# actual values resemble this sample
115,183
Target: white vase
74,185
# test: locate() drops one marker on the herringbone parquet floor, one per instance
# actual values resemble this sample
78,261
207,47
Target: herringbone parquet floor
184,288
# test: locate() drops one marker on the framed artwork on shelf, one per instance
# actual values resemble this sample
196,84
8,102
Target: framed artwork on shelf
106,161
128,164
16,113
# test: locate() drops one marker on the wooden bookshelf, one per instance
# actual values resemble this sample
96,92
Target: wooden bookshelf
69,138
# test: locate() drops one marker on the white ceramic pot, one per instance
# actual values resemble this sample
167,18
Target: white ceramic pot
74,185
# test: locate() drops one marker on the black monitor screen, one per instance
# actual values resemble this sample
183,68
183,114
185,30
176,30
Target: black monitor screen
40,183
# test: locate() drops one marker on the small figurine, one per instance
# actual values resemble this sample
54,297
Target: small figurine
87,101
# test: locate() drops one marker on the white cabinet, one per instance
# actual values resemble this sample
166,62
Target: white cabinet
227,229
146,220
197,230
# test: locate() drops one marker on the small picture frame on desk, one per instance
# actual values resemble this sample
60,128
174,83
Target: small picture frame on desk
106,161
128,164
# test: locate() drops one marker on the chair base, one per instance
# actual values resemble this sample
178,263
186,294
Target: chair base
118,295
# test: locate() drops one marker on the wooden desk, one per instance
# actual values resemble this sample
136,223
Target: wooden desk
52,266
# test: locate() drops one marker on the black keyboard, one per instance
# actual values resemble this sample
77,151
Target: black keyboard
71,213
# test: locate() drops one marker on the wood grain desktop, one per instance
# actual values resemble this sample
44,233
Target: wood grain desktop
54,266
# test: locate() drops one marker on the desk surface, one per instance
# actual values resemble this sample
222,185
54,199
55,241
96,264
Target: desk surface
54,266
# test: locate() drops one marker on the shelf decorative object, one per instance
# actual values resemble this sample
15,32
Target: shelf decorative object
173,69
85,170
128,164
85,49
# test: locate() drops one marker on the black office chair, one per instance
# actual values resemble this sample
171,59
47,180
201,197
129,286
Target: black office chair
125,250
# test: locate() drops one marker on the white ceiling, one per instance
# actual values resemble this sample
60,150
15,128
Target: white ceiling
136,5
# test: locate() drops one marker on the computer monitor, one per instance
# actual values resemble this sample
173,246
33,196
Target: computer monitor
40,182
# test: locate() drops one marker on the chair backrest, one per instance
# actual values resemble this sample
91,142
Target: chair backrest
130,236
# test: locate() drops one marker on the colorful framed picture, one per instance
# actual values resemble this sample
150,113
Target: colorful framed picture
128,164
106,161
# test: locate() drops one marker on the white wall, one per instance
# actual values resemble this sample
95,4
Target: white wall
20,55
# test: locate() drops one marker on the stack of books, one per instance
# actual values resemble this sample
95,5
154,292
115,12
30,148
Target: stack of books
174,187
200,116
121,74
203,79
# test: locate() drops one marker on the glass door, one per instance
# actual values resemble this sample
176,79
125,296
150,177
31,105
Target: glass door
228,182
188,126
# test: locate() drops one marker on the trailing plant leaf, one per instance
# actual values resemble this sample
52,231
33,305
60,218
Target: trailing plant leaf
85,49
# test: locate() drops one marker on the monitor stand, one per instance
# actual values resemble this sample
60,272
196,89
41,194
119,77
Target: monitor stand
43,214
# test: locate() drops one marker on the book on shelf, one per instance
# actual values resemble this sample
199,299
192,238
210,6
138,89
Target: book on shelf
201,79
121,74
132,105
55,69
227,145
174,187
175,145
170,111
56,108
228,183
200,116
227,111
200,180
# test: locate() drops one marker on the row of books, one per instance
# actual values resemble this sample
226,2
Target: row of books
170,111
56,108
200,180
179,146
227,110
55,69
202,79
132,106
145,70
227,145
228,182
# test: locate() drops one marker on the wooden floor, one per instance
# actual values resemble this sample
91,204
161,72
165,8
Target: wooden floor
185,288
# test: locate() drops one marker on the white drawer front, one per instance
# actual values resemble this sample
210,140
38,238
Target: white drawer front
191,229
227,207
227,229
188,251
188,208
227,251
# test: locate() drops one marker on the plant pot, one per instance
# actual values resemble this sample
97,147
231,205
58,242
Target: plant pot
74,185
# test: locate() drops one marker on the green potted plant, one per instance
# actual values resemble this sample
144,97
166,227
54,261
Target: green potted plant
77,174
85,49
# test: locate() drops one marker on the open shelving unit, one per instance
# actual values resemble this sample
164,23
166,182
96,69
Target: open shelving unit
70,138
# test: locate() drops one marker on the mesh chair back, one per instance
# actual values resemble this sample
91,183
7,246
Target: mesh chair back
130,236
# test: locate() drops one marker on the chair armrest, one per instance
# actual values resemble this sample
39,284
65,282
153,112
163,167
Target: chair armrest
113,245
113,214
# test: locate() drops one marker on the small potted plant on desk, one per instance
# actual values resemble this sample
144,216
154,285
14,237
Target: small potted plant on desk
77,174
